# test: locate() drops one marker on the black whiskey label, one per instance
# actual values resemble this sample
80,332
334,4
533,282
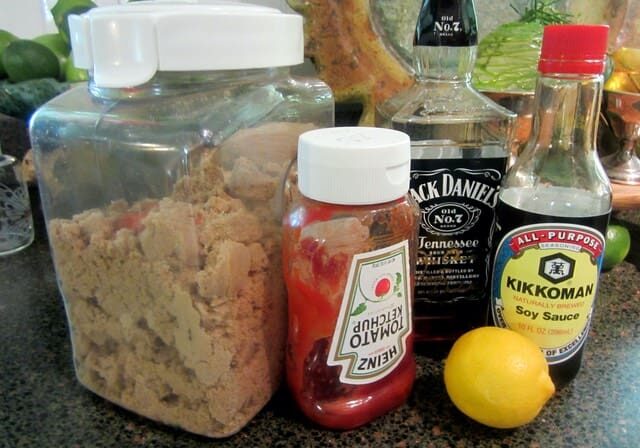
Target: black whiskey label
457,198
448,23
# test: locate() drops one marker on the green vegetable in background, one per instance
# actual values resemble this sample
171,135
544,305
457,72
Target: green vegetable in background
543,12
508,56
63,9
55,42
34,68
73,73
5,39
21,99
25,59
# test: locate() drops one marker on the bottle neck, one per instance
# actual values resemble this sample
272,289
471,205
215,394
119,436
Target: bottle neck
444,64
445,41
566,112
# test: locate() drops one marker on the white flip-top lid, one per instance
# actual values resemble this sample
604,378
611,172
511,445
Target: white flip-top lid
125,45
354,165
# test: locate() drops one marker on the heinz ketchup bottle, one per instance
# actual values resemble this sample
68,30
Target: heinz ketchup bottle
349,255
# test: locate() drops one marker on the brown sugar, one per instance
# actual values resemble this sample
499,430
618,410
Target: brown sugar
177,306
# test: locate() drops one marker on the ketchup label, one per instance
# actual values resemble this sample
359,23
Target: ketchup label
544,284
369,340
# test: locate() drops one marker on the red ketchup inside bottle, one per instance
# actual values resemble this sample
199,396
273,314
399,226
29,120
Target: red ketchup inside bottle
320,243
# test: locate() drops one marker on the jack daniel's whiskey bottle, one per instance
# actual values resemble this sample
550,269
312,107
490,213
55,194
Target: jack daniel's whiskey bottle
459,146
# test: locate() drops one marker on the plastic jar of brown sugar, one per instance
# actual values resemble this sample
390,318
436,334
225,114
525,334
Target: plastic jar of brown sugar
160,182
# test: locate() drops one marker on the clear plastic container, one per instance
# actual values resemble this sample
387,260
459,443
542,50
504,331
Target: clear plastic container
161,183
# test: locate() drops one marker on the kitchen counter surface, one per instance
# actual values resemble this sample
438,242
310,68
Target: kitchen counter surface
42,404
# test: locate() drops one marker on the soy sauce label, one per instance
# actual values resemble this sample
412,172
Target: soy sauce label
457,199
544,283
370,337
446,23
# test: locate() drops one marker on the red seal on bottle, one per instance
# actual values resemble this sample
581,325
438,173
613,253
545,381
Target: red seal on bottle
579,49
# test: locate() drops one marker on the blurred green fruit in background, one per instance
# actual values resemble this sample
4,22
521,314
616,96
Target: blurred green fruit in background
5,39
25,59
63,9
617,245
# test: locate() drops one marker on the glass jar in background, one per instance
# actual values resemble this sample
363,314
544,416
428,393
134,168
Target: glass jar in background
349,250
16,222
160,184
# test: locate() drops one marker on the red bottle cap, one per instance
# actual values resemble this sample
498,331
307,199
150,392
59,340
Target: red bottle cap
578,49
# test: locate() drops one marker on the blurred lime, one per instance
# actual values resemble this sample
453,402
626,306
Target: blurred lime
63,9
26,59
55,43
617,245
73,73
5,39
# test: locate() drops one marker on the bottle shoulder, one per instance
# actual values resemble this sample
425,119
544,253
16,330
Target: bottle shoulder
441,101
564,201
550,166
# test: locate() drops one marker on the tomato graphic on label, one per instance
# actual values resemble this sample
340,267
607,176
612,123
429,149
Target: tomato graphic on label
382,287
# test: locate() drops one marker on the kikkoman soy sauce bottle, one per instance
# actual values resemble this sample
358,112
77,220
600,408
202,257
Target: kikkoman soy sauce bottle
554,205
459,153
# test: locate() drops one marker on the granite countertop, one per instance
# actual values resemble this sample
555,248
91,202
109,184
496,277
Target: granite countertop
43,405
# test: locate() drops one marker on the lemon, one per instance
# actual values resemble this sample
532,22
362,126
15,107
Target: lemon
5,39
626,59
25,59
497,377
617,245
626,70
620,82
